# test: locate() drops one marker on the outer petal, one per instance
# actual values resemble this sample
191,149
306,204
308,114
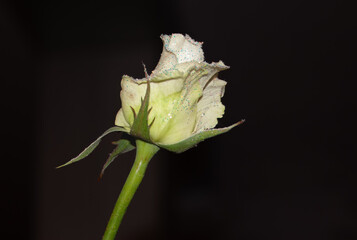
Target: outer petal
209,108
120,120
131,94
179,119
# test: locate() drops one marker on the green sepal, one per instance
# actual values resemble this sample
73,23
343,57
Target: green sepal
140,127
197,138
123,146
88,150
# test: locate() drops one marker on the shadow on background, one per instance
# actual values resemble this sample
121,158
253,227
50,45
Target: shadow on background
287,173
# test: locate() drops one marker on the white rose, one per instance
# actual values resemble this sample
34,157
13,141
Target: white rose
185,93
176,107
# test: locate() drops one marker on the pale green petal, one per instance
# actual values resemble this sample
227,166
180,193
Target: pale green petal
209,108
179,120
175,119
175,114
131,95
120,120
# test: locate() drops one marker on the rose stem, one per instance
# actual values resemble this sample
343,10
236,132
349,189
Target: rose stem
144,152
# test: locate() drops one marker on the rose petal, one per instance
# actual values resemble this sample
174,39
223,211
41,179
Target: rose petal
131,94
179,119
210,107
178,49
120,120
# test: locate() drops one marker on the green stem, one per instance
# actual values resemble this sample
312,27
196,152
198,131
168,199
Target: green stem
144,152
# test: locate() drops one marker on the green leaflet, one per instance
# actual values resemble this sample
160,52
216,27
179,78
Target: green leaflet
123,146
93,145
141,128
197,138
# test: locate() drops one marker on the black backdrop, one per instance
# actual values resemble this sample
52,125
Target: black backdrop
287,173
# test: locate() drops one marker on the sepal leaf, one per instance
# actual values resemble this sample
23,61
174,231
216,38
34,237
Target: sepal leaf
88,150
197,138
123,146
140,127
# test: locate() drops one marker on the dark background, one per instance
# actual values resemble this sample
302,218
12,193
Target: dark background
287,173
